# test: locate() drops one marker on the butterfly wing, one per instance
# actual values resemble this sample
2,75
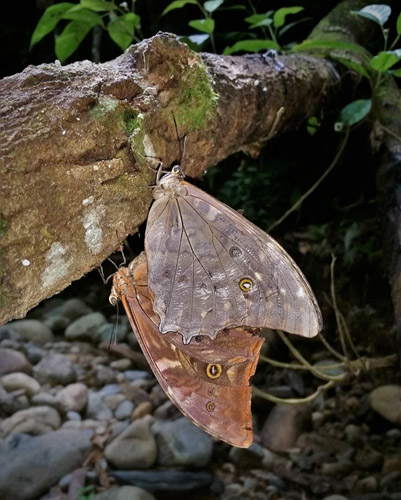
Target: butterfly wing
209,381
210,269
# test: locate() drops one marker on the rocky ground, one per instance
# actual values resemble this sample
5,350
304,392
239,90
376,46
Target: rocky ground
80,420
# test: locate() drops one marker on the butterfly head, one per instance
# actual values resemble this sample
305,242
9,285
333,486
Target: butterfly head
171,184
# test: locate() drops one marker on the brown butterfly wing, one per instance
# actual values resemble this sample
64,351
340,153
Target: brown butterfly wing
200,251
209,381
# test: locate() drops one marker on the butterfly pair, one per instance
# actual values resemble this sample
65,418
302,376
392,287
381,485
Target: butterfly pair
210,275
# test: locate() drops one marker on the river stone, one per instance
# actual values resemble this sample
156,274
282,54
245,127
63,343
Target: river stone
181,443
113,332
86,327
73,397
125,493
121,364
62,315
32,330
14,381
96,407
386,400
55,369
30,466
124,409
45,399
133,448
284,425
33,352
34,420
13,361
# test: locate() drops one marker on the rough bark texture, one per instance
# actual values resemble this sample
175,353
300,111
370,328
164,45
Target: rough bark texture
76,143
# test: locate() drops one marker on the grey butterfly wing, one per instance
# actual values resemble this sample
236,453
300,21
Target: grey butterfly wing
210,268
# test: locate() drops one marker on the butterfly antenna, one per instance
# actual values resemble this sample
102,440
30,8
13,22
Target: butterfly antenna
113,335
180,147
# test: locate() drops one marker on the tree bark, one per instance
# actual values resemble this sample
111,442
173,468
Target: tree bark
76,143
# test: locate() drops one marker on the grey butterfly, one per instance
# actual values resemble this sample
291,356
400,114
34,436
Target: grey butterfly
210,268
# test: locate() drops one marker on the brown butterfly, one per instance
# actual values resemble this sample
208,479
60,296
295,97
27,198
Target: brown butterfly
208,380
210,268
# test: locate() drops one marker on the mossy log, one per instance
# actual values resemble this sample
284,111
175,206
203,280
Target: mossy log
77,141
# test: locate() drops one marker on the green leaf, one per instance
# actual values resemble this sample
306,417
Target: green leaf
204,25
49,20
212,5
121,29
328,45
194,42
355,111
352,64
384,60
84,15
257,20
396,72
70,39
313,125
379,13
99,5
280,15
177,5
251,46
399,24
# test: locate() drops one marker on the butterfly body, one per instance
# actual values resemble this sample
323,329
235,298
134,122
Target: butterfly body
211,269
208,380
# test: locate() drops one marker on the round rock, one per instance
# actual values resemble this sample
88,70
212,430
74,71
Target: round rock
86,328
32,330
180,443
35,420
30,466
55,369
125,493
124,409
133,448
13,361
14,381
386,400
73,397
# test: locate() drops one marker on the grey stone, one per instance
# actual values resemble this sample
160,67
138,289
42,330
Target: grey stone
33,330
30,466
86,327
35,420
248,457
96,408
124,409
114,400
19,380
335,497
386,400
121,364
55,369
132,375
73,415
133,448
180,443
13,361
73,397
284,425
104,375
112,332
110,389
33,352
45,399
125,493
62,315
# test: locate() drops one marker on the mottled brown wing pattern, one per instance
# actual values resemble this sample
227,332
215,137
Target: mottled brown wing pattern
210,268
208,380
